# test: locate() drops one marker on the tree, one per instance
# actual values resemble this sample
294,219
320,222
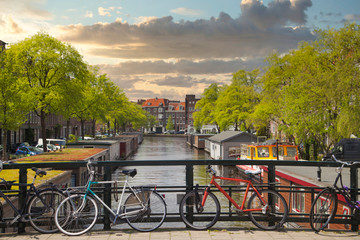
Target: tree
170,125
47,65
236,102
206,107
15,97
312,92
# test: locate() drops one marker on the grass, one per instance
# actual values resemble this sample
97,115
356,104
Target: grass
67,154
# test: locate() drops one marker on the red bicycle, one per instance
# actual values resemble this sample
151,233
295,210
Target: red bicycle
200,208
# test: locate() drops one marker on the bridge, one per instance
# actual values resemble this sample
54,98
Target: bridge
173,216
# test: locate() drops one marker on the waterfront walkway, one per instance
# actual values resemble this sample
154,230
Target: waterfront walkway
183,234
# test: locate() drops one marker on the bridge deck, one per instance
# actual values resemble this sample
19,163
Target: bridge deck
184,234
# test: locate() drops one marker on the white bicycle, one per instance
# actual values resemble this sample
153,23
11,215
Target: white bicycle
144,208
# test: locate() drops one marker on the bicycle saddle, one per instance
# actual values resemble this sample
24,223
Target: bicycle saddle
38,171
131,172
5,185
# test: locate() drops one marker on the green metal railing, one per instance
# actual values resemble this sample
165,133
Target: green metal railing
189,164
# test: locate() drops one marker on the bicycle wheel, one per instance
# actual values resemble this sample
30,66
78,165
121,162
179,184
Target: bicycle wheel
272,214
323,209
195,216
149,217
41,210
76,215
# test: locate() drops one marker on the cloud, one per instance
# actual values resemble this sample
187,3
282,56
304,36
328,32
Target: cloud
89,14
161,57
103,12
10,26
278,12
186,11
187,67
222,37
27,9
106,11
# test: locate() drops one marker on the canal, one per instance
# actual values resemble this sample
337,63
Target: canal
175,148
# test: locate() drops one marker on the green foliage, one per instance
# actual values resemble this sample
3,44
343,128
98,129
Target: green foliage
170,124
205,106
312,93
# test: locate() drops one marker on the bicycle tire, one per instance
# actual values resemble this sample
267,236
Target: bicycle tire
74,216
203,219
271,216
150,218
41,210
323,209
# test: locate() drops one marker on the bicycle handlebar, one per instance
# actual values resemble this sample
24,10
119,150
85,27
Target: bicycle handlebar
344,163
210,170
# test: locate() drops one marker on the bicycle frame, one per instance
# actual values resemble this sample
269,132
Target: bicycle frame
342,188
117,213
248,186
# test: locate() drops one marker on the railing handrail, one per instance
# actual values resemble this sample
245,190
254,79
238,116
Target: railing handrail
66,164
271,164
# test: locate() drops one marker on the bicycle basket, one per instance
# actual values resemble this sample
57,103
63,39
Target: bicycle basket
5,185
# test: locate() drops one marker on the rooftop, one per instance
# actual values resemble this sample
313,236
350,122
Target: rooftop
67,154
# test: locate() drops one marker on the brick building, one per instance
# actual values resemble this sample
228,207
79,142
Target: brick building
162,109
300,199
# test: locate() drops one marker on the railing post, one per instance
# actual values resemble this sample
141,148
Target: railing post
107,197
22,195
271,176
189,186
354,190
189,177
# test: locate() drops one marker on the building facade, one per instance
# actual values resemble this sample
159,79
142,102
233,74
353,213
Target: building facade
162,109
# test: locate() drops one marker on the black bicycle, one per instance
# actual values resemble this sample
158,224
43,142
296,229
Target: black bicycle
324,207
40,205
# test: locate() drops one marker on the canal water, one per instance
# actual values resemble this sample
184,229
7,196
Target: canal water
175,148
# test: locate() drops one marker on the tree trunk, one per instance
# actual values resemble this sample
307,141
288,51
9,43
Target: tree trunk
4,152
108,123
43,129
93,127
82,129
67,129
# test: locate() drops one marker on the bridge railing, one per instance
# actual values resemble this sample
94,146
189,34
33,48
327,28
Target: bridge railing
173,216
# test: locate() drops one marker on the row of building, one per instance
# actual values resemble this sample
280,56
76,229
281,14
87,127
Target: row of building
181,113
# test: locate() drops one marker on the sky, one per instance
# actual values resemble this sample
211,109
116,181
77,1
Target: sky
170,48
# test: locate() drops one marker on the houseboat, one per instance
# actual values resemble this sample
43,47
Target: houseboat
268,150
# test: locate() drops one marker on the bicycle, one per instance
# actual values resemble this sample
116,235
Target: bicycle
324,207
144,208
200,208
40,205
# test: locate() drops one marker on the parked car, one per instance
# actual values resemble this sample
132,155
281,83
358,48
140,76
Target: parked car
180,132
170,132
347,149
28,150
59,143
50,147
15,146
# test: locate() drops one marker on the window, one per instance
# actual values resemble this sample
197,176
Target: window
291,151
346,211
298,200
263,152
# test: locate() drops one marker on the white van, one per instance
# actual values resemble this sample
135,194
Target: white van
59,143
